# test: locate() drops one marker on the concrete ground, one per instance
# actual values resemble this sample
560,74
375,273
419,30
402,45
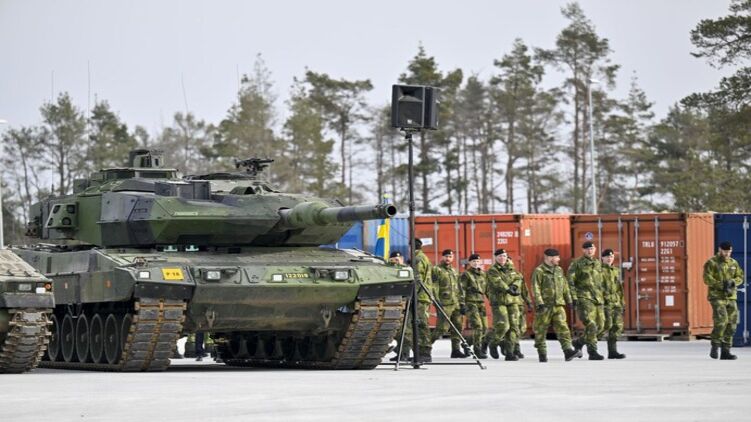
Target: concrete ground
667,381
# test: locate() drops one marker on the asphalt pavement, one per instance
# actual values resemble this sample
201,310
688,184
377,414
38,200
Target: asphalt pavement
659,381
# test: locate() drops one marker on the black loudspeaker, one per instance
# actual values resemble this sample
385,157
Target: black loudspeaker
414,107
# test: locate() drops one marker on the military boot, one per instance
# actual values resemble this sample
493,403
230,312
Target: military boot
511,356
426,355
593,355
726,355
467,351
571,353
405,355
494,351
713,352
485,348
578,343
479,352
613,351
543,356
518,351
457,354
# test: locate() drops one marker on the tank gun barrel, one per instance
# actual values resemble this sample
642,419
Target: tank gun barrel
318,214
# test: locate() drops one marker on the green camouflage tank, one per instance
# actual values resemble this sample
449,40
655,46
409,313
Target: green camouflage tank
141,257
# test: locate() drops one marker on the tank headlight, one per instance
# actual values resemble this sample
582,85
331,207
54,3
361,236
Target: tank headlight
341,275
403,273
144,274
213,275
277,277
24,287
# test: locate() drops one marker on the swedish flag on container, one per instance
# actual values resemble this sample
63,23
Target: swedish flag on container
384,234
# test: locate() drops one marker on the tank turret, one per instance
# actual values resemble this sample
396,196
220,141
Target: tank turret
146,205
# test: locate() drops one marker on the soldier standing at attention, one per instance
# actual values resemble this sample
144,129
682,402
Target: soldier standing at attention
473,282
503,288
551,293
585,279
446,280
723,275
614,303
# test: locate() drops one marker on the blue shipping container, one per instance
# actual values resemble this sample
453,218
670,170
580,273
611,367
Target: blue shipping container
364,234
351,240
734,228
398,235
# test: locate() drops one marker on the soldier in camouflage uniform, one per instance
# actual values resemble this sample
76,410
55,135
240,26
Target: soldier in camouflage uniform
446,280
551,293
474,282
614,303
723,276
502,290
424,272
585,280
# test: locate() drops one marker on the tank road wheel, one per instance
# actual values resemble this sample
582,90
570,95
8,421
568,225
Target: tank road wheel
53,347
68,338
238,347
125,324
111,340
324,348
82,338
96,338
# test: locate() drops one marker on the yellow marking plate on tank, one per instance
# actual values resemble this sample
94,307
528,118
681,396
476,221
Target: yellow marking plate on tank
172,273
296,275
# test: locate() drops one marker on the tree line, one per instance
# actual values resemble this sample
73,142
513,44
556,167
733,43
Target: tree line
507,142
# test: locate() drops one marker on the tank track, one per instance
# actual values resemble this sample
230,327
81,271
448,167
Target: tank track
373,326
25,341
151,338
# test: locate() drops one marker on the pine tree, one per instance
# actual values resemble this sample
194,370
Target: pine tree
64,137
342,105
584,55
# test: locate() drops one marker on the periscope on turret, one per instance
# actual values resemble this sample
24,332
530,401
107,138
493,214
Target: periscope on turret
137,251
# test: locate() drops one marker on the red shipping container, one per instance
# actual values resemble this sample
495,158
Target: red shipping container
662,258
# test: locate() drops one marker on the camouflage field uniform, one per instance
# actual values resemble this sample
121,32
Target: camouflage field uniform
717,270
473,282
424,271
614,304
585,279
508,277
551,292
446,280
498,284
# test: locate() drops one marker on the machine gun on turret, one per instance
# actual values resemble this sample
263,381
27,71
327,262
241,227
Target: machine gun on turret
254,165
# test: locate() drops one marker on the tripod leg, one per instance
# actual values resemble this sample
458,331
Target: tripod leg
463,341
401,339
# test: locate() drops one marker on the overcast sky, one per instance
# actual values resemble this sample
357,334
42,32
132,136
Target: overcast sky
137,52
